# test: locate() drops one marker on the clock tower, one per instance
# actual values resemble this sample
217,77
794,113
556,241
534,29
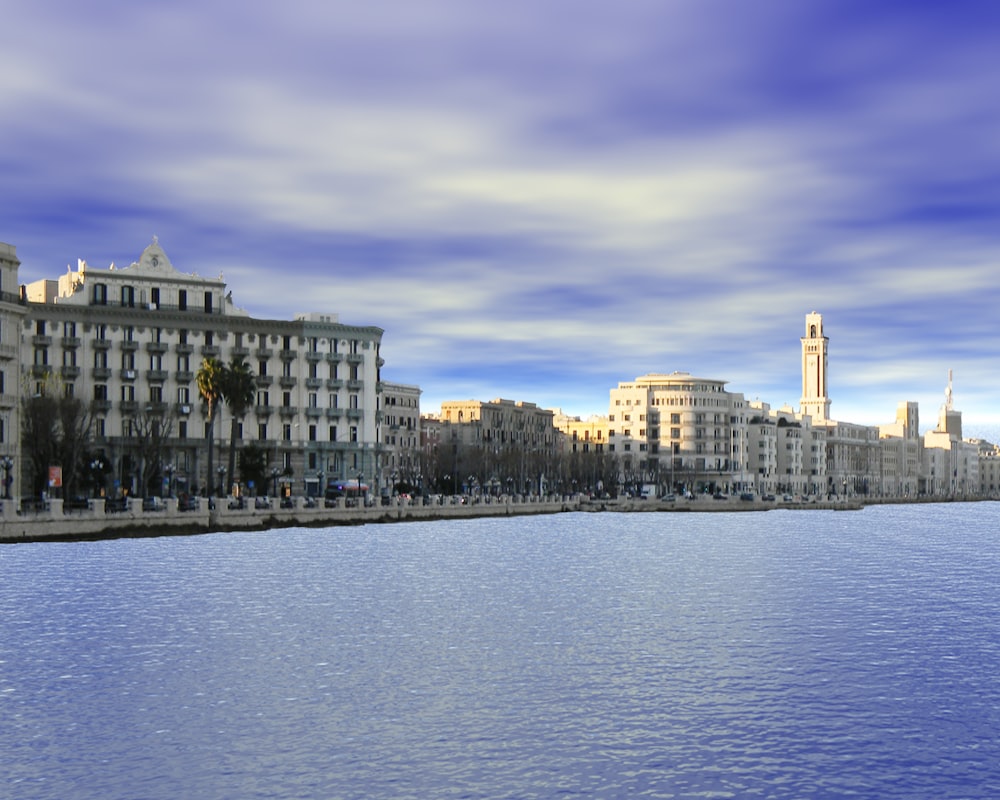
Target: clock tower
814,401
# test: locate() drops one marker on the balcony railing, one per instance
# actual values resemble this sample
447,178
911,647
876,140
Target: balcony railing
71,341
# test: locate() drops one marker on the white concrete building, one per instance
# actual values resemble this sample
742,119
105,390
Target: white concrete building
12,312
680,431
131,340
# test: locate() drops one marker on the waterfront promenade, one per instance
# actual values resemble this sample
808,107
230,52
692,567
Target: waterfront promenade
55,523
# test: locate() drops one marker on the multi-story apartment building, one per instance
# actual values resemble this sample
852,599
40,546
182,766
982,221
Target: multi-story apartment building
12,311
515,442
581,435
131,341
680,431
400,435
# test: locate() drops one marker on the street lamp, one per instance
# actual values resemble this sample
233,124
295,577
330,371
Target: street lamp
7,464
321,478
360,479
169,469
275,472
97,473
222,481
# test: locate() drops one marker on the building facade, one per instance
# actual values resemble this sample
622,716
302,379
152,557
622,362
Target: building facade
12,312
679,431
130,341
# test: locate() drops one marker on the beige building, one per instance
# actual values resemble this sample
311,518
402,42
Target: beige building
679,431
499,445
581,435
131,341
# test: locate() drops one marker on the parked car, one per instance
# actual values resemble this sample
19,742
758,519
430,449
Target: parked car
152,504
309,502
188,503
262,502
76,504
668,498
748,496
238,503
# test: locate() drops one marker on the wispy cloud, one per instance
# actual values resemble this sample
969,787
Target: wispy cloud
542,198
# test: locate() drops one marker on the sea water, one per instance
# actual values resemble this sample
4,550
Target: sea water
784,654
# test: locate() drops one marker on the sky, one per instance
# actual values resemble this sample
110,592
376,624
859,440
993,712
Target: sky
539,200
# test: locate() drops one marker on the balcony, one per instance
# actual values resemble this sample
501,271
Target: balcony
287,355
355,384
210,350
314,355
157,347
355,358
127,375
314,383
183,408
101,373
313,411
334,383
184,349
334,358
40,370
101,344
41,341
70,371
355,413
263,411
265,380
334,413
288,411
128,406
100,406
129,345
264,353
70,342
158,407
184,376
240,352
157,375
287,382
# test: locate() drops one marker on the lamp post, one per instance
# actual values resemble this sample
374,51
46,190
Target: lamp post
360,479
321,478
7,463
275,472
97,474
169,469
222,481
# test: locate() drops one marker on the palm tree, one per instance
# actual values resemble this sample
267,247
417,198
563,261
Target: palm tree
239,390
209,380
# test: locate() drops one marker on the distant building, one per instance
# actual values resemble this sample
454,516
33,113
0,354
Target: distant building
400,434
498,445
680,431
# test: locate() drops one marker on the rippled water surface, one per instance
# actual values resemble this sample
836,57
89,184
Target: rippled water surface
787,654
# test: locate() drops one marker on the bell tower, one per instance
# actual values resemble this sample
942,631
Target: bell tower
814,401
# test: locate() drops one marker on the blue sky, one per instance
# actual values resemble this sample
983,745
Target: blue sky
537,200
